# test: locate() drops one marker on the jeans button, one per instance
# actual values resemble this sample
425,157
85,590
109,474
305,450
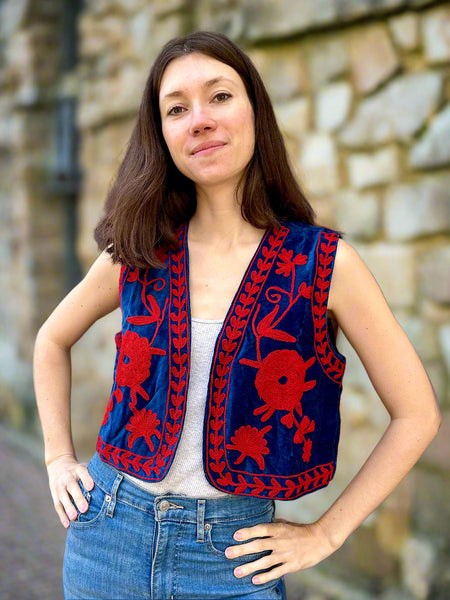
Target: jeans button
164,505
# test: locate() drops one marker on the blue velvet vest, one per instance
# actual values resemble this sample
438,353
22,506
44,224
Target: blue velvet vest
271,425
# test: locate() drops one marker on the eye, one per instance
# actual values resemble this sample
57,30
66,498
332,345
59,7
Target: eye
175,110
222,96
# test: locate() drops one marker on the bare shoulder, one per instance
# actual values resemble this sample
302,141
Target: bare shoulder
350,276
95,296
356,301
104,273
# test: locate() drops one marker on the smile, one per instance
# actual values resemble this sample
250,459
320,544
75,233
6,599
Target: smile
207,149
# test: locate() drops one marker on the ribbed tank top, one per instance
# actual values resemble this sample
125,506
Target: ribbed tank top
186,475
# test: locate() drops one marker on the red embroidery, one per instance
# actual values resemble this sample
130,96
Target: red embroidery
286,264
134,363
144,423
228,345
280,379
250,442
307,451
332,365
282,487
280,382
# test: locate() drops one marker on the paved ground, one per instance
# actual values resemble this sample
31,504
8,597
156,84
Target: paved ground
31,537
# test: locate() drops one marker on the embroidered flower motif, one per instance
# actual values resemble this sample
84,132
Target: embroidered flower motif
134,362
249,441
143,423
307,446
286,264
280,382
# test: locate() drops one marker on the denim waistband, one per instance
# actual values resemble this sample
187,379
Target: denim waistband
229,508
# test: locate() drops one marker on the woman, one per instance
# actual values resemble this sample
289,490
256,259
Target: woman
227,379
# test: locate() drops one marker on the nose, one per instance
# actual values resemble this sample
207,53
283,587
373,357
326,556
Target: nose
201,120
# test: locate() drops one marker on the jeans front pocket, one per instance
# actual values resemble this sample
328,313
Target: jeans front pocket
219,535
97,500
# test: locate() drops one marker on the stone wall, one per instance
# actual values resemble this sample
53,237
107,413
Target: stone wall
361,90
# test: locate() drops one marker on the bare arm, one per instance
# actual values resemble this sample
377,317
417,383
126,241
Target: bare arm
401,382
359,307
94,297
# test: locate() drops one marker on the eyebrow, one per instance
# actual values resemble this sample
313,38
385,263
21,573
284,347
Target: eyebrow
207,84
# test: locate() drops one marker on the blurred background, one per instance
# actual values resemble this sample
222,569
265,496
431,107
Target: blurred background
361,90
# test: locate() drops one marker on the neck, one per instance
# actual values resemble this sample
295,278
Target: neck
218,218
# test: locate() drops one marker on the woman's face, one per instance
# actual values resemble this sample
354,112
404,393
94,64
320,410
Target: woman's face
207,120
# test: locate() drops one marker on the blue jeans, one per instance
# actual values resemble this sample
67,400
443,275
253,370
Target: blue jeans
131,545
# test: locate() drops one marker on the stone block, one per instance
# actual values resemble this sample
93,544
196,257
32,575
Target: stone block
318,163
405,30
164,6
373,59
394,267
392,529
444,340
282,69
266,19
387,116
357,214
436,35
422,335
324,209
437,455
439,380
326,58
378,168
433,149
418,562
224,16
142,30
417,209
434,268
294,116
333,104
362,554
431,505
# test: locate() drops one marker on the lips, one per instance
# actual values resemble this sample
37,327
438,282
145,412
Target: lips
207,146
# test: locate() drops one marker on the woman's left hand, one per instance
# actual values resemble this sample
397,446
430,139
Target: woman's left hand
293,547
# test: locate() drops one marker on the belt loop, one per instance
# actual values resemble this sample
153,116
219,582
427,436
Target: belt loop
111,498
201,520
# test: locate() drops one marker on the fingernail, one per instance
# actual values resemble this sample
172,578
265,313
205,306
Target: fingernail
237,536
255,580
229,553
238,572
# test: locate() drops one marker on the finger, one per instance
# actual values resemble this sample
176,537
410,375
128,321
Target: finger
60,511
67,504
85,477
273,574
252,567
257,531
77,496
258,545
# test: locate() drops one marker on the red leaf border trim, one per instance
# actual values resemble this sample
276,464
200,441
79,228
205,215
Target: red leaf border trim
218,470
156,466
331,364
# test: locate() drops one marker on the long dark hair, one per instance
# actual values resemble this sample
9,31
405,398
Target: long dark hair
150,198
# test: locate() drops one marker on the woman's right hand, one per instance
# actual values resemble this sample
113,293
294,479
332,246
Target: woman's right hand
64,475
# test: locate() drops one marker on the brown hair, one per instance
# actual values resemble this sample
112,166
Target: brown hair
150,198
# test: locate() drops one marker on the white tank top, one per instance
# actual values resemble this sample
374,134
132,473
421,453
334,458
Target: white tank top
186,475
